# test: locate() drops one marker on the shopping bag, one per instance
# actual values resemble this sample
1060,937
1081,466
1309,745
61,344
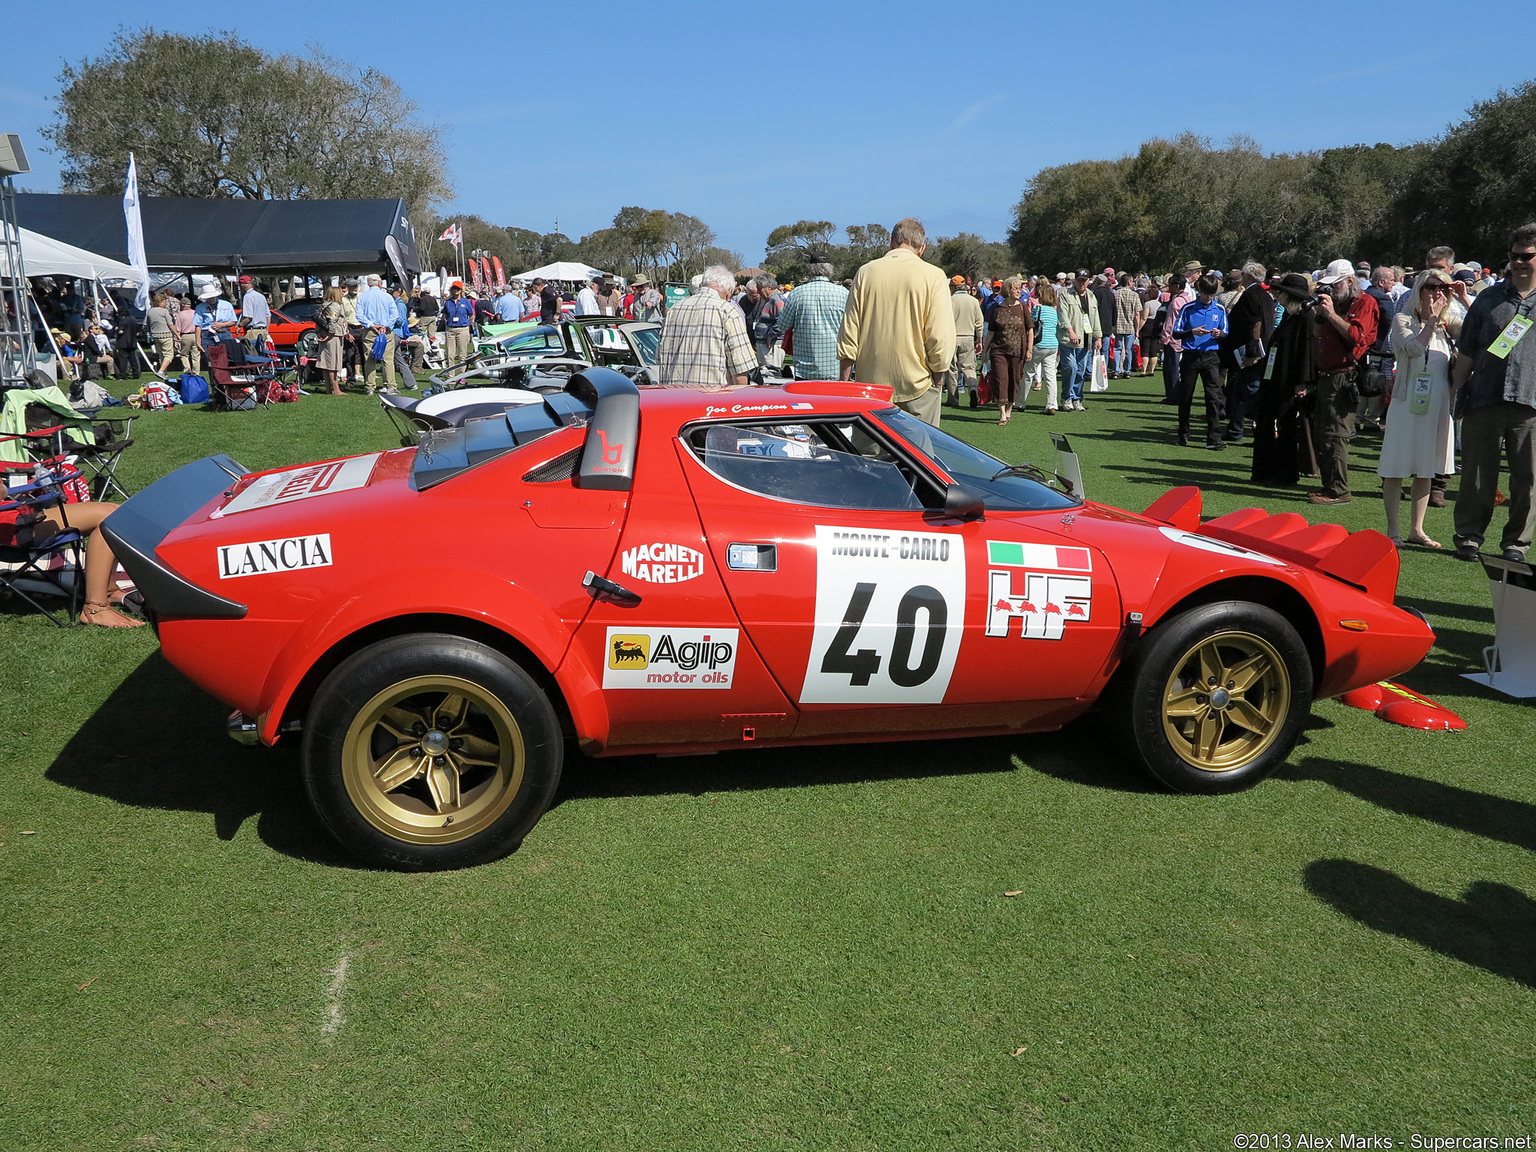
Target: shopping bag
984,388
1100,380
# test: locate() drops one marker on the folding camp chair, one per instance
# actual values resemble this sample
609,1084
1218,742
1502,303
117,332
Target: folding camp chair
237,393
38,423
39,558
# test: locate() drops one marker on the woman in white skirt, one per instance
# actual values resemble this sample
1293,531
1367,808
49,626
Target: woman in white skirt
1418,440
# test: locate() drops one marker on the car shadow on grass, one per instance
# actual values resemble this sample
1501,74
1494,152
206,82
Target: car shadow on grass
764,768
1492,926
159,742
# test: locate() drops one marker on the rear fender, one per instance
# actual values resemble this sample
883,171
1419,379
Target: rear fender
477,598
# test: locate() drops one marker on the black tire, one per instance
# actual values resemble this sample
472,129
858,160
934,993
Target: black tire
1217,696
430,751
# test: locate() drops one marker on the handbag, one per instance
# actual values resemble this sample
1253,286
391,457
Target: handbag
380,345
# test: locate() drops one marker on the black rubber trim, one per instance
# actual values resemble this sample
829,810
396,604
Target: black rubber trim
136,529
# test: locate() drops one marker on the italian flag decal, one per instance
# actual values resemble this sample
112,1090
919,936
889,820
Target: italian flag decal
1008,554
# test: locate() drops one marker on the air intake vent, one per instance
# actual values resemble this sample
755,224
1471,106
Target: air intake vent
560,468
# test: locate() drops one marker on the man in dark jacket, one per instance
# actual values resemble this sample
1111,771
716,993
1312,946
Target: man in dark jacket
1345,325
1251,323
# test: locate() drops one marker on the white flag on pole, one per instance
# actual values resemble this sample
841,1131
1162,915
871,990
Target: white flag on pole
136,255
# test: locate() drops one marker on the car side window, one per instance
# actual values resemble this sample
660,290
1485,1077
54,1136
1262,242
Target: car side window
829,465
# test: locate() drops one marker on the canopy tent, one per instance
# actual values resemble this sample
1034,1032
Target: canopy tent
45,256
562,270
325,237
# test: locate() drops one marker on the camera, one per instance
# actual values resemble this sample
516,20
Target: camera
1311,302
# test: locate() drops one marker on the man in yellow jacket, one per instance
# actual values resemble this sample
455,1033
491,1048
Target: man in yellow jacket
899,328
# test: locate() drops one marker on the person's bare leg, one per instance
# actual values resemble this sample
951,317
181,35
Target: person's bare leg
1391,493
330,378
99,561
1418,498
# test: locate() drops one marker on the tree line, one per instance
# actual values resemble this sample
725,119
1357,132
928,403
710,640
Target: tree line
1182,199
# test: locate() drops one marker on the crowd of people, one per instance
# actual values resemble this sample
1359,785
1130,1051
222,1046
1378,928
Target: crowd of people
1297,364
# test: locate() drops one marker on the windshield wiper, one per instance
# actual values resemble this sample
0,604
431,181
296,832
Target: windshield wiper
1033,471
1040,475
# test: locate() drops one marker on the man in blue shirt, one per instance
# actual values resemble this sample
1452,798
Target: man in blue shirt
458,316
377,313
509,307
215,316
1200,327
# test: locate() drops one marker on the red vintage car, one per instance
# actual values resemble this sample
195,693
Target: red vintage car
684,570
284,330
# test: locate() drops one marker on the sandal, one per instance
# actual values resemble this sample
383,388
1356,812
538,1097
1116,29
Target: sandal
1423,541
1397,542
93,610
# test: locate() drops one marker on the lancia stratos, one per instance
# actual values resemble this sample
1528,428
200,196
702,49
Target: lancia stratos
678,570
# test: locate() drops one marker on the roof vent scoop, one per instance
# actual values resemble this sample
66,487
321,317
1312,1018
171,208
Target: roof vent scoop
608,459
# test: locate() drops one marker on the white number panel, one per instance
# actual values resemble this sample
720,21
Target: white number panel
890,612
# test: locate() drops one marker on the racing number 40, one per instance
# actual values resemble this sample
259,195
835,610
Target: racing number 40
863,664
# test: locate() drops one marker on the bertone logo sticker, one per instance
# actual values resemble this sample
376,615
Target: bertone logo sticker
662,563
263,556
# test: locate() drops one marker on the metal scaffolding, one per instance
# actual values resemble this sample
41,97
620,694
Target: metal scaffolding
17,355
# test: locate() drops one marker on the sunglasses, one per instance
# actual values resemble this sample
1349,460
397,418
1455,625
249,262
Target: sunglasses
1440,288
1523,257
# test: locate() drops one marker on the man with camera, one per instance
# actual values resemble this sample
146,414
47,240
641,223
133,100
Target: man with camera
1346,321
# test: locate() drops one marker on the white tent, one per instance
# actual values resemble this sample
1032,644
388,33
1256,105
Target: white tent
45,256
562,270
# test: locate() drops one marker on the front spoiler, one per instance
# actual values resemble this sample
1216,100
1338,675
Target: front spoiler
138,527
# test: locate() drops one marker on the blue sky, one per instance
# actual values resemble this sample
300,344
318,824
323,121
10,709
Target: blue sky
754,115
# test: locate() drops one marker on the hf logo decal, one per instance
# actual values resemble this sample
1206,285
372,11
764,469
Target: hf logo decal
670,658
1047,600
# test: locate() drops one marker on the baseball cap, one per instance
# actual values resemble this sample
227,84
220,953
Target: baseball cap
1465,275
245,280
817,256
1336,271
957,280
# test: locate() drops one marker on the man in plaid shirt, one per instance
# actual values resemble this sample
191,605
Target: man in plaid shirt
814,313
704,340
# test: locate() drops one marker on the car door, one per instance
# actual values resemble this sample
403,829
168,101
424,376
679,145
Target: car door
866,601
675,666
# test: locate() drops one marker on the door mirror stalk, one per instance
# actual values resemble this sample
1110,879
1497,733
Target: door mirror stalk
962,503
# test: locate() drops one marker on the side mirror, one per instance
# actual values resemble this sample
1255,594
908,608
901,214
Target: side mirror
962,503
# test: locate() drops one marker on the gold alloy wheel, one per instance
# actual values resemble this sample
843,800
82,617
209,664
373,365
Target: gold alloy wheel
433,759
1226,701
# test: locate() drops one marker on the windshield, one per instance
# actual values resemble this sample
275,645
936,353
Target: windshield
648,342
974,468
532,340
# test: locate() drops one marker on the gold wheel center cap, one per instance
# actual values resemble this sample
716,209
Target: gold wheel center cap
434,743
1221,698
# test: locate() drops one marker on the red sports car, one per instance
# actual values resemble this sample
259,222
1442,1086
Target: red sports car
284,330
684,570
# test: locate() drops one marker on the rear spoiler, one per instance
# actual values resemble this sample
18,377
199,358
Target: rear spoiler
1366,559
136,529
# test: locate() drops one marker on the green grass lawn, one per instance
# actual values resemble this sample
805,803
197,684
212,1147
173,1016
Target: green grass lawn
771,949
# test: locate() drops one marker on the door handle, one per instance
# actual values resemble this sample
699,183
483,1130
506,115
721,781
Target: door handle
599,586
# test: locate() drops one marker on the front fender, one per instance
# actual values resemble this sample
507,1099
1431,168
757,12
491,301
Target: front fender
477,596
